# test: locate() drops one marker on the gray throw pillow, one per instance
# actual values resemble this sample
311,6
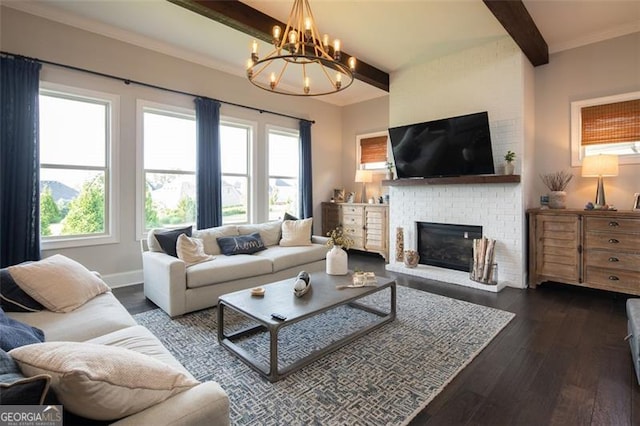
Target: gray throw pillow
242,244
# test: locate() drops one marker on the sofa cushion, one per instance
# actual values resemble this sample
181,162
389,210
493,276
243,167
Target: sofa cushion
191,250
14,333
168,239
102,382
13,298
241,244
270,232
101,315
296,232
16,389
289,257
210,237
227,268
58,283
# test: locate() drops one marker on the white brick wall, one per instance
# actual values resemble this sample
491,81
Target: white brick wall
485,78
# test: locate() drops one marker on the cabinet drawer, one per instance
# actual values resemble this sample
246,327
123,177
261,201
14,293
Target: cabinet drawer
624,281
610,224
350,220
352,231
352,210
612,241
613,260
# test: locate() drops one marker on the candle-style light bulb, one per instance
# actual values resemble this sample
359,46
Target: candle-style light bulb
272,83
249,68
352,63
336,50
254,51
325,41
338,81
293,35
276,32
306,85
307,23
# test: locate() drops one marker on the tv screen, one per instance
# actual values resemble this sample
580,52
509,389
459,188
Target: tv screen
455,146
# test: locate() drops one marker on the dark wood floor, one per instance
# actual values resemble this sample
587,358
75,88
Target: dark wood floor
561,361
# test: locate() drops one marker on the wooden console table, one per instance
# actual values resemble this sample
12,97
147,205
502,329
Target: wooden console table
589,248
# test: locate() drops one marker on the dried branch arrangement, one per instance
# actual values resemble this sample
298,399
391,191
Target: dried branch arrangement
557,181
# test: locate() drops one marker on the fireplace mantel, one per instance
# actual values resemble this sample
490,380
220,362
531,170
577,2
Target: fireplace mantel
454,180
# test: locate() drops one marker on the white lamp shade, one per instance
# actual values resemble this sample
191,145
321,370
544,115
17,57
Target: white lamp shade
600,165
364,176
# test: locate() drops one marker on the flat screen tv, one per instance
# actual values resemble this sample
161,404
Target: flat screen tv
455,146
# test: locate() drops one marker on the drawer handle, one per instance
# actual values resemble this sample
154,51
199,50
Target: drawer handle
613,224
614,259
613,241
613,278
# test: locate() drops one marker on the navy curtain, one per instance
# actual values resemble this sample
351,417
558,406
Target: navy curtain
208,169
19,161
306,177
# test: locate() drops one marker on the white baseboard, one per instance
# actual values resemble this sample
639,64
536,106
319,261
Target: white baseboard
123,279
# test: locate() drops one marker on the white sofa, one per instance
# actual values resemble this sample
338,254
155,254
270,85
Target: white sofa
179,289
103,320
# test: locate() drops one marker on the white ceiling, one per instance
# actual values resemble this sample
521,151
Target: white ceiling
388,34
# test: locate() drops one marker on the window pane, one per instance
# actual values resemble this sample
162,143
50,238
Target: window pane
234,149
72,132
169,142
625,148
283,155
72,202
234,199
283,197
170,199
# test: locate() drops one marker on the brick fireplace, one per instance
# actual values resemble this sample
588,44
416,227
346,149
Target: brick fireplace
496,207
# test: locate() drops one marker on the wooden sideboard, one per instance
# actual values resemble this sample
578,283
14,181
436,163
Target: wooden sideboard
366,224
589,248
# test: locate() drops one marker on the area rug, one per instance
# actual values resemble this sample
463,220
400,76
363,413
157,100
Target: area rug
385,377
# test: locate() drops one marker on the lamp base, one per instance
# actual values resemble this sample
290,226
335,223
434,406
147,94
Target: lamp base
600,200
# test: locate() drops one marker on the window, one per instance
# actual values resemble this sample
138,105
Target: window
372,151
609,125
235,152
77,168
169,166
284,160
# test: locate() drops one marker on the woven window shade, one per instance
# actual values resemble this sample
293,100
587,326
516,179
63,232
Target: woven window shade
373,150
611,123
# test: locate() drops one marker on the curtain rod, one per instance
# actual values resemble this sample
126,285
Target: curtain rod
152,86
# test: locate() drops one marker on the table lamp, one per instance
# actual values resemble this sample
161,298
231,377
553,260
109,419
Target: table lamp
600,166
364,176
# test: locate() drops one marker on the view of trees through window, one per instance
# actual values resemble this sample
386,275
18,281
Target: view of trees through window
73,165
283,173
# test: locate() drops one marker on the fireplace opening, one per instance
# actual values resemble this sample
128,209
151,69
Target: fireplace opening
447,245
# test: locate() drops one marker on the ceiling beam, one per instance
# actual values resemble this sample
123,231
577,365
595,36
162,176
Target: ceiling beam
515,18
250,21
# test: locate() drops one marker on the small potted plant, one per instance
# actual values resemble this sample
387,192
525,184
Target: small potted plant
508,165
337,259
389,166
557,183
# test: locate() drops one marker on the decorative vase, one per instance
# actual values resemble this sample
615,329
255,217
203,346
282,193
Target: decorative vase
337,261
388,175
509,167
399,244
411,258
558,200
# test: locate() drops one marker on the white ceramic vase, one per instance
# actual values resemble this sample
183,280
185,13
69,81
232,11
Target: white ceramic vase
557,200
337,261
509,168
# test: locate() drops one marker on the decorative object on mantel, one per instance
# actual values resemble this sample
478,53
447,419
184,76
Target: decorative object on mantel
600,166
389,174
483,269
399,244
509,167
337,259
299,48
411,258
557,183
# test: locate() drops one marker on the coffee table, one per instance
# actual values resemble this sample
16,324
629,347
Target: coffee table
327,292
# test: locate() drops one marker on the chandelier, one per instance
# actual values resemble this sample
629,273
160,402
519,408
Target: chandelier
302,57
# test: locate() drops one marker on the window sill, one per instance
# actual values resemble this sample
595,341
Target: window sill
62,243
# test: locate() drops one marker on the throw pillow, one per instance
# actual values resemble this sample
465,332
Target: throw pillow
242,244
60,284
102,382
191,250
210,237
15,389
14,333
168,239
288,216
296,232
13,298
270,232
